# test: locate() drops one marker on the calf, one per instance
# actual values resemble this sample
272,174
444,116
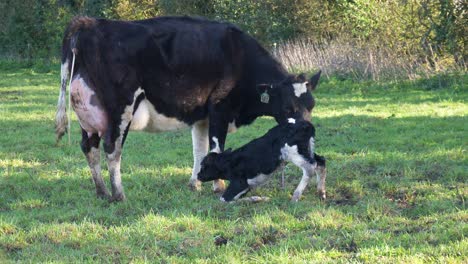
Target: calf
252,164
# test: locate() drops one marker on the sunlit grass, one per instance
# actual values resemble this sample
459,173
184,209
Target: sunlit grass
397,185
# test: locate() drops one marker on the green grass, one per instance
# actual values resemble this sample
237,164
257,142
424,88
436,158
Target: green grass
397,185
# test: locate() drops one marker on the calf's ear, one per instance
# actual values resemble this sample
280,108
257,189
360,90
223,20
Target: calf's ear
301,78
312,84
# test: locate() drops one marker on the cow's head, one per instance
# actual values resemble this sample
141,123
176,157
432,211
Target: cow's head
291,98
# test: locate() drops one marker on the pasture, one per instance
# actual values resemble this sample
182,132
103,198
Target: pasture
397,185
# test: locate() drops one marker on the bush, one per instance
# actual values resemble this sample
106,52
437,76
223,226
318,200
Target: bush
360,38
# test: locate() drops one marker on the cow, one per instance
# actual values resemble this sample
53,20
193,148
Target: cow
167,73
253,164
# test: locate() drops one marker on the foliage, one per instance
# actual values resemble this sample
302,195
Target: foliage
433,32
397,187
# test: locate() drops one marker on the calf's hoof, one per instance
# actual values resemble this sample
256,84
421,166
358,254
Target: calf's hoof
219,186
255,199
118,197
195,185
296,197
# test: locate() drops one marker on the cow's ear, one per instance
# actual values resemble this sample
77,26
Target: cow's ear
264,87
312,84
227,151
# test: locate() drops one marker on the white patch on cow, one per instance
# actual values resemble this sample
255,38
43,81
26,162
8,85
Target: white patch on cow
299,88
232,127
291,120
140,117
240,194
216,149
258,180
148,119
90,113
127,115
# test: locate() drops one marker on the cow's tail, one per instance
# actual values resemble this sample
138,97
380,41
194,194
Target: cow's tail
69,52
61,120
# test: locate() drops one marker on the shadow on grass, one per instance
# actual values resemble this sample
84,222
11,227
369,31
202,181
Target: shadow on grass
370,147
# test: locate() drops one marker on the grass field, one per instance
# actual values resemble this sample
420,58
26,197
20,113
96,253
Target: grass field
397,185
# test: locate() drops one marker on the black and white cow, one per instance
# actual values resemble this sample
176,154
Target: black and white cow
167,73
252,164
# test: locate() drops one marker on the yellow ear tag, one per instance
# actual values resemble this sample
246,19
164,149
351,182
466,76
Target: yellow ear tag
265,98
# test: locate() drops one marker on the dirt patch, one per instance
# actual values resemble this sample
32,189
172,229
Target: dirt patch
220,241
403,198
270,237
343,195
10,95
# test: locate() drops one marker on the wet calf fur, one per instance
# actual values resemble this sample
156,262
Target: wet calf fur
252,164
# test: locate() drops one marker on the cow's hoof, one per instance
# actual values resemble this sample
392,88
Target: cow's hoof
322,195
103,195
219,186
117,197
195,185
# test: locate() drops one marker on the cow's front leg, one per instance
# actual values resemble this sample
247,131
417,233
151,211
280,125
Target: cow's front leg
90,147
217,137
200,149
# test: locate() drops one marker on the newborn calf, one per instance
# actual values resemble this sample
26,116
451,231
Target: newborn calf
252,164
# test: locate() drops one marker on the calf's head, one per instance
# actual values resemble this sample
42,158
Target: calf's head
213,167
291,98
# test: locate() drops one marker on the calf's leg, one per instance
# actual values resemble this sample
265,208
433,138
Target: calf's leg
307,170
236,188
321,172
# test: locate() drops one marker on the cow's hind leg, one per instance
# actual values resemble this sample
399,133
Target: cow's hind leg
200,149
113,148
90,147
113,145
